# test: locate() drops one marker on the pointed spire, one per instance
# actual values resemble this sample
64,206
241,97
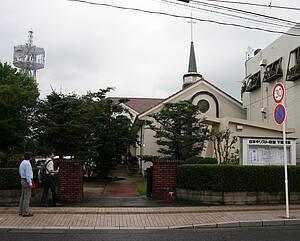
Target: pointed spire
192,61
192,76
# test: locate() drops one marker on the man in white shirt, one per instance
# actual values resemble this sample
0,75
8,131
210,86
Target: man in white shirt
26,174
48,182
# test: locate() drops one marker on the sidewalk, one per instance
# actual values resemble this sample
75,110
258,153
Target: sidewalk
149,218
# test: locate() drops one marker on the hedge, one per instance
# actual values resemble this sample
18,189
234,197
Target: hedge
10,179
234,178
201,160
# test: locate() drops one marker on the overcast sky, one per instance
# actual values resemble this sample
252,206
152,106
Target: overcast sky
141,55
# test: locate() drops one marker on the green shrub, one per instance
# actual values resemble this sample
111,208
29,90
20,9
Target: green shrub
148,157
10,179
133,161
14,160
235,178
201,160
3,159
11,160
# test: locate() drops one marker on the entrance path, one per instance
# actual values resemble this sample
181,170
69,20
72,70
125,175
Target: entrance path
121,188
119,193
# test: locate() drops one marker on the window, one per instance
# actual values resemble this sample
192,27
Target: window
294,64
297,54
273,71
254,82
203,105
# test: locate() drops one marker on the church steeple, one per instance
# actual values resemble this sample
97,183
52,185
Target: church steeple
192,62
192,76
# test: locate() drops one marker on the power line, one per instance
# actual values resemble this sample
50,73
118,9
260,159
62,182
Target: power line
255,4
243,11
228,14
183,17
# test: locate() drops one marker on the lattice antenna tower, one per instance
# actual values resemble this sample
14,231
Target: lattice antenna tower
29,57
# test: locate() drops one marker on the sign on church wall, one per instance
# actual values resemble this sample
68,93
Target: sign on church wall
267,151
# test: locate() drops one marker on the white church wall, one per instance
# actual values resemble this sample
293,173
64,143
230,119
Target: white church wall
227,106
150,145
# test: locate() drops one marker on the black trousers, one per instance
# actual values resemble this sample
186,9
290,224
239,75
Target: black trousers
49,183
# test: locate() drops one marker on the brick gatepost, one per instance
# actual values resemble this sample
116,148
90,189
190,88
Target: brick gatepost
70,180
164,179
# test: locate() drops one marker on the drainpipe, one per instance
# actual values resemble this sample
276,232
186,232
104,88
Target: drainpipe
262,64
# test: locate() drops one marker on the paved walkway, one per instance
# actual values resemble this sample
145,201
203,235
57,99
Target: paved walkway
148,218
121,188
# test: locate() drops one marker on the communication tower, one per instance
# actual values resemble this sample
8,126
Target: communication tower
29,57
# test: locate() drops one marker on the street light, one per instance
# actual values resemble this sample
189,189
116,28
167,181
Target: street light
186,1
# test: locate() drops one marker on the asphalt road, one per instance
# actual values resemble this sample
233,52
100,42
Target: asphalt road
291,233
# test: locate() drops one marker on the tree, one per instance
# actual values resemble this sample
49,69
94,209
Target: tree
90,127
224,144
18,98
59,124
110,131
180,130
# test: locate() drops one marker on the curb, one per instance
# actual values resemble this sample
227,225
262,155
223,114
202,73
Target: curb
107,211
235,224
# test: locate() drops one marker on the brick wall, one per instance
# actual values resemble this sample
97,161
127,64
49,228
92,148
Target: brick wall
164,179
70,180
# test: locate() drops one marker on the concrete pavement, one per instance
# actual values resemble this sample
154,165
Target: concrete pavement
149,218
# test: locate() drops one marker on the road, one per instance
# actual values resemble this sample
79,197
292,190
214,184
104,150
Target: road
291,233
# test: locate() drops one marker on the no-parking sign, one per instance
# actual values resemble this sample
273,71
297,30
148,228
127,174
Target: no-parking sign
280,114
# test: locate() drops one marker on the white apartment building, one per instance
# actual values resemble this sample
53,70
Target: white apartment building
278,62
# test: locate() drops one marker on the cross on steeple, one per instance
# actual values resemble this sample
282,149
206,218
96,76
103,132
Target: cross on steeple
192,22
192,76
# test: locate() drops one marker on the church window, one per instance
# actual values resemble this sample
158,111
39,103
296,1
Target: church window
203,105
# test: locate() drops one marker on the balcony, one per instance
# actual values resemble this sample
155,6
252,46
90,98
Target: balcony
253,83
273,71
294,72
272,74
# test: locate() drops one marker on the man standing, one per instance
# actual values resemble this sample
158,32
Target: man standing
49,182
26,174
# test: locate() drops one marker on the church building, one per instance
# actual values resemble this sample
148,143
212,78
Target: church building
259,143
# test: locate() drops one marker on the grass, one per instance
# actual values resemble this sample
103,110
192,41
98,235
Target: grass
141,186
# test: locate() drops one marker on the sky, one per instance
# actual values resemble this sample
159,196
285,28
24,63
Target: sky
92,47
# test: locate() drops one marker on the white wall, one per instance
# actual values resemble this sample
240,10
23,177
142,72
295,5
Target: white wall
262,98
227,107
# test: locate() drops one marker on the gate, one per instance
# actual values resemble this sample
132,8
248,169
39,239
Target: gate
149,174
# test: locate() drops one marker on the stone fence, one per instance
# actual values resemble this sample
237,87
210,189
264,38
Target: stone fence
12,197
236,198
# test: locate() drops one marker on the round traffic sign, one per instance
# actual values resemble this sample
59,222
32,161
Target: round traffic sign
279,114
278,92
